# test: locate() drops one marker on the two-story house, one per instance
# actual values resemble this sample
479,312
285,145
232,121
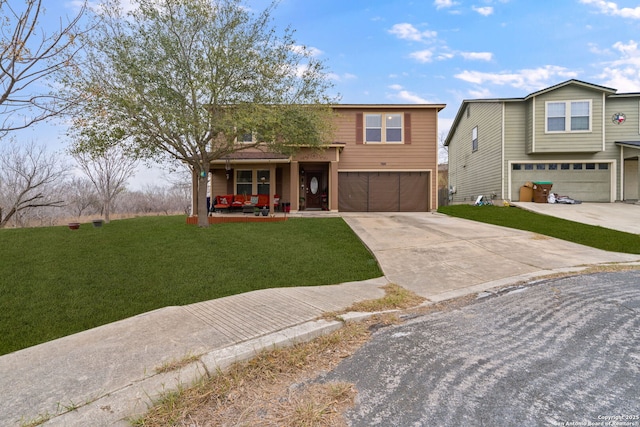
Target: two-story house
383,159
582,137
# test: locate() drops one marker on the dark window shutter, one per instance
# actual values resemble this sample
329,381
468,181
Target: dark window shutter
407,128
359,129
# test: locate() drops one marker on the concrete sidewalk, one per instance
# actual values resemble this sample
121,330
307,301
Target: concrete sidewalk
102,376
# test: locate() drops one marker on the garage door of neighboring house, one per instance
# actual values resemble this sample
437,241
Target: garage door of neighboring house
383,191
588,182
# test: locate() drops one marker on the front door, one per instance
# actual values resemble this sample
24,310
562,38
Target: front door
313,190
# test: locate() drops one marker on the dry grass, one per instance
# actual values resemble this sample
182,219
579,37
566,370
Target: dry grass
270,389
174,365
87,219
274,388
396,298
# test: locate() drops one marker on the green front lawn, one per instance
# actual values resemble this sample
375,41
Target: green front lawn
588,235
55,281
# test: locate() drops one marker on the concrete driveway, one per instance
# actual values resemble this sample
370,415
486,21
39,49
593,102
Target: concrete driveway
618,216
441,257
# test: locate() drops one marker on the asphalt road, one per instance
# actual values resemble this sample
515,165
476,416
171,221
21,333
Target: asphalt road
560,352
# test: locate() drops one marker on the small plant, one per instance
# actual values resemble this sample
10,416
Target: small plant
174,365
396,298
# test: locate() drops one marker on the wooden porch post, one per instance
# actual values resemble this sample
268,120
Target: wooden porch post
294,185
272,187
333,186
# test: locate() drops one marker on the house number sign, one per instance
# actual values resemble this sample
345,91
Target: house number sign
618,118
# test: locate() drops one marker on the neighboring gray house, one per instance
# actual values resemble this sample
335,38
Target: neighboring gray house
583,137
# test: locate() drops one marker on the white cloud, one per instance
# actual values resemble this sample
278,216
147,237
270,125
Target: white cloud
477,56
444,56
341,77
595,49
407,31
527,79
312,51
126,5
481,93
406,96
443,4
422,56
623,74
612,9
484,11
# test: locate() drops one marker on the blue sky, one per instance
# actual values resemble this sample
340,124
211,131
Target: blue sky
444,51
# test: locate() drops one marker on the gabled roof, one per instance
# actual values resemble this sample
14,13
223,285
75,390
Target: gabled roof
573,82
607,90
389,106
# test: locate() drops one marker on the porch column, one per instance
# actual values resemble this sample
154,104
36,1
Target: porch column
194,193
294,186
333,186
272,187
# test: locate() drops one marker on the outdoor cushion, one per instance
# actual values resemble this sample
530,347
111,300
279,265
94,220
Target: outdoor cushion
238,200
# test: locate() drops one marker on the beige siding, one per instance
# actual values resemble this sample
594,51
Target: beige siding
419,155
566,159
527,121
627,131
585,142
474,173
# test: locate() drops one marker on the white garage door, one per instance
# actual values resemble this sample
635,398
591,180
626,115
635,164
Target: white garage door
588,182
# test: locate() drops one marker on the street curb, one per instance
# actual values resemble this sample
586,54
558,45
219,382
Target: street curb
134,400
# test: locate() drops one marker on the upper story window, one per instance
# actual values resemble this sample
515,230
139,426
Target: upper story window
383,128
568,116
474,139
248,138
245,137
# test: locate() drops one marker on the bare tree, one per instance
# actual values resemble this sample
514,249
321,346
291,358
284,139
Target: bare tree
28,57
108,170
443,150
82,197
30,178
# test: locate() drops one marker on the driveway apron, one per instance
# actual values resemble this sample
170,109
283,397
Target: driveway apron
441,257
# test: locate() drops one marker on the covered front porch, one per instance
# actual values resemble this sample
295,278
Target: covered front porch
307,181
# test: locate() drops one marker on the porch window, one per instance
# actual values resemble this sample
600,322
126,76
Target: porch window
263,182
244,182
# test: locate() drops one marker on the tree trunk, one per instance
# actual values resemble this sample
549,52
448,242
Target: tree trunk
203,220
107,211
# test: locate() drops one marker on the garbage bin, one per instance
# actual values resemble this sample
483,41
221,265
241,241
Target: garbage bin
541,190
